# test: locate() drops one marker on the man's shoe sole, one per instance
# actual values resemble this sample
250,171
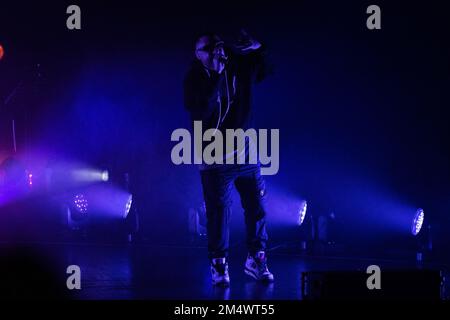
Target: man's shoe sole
221,283
251,274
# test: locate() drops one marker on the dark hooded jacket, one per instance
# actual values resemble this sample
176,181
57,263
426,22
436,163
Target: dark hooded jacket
208,95
224,101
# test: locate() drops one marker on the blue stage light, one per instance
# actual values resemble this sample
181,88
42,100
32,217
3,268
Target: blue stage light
128,205
417,222
81,203
302,212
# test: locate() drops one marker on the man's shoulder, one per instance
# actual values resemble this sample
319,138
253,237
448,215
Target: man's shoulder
194,73
195,68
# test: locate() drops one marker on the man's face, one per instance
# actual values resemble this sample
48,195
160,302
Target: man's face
207,50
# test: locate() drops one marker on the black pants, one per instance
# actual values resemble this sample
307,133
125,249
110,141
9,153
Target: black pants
217,187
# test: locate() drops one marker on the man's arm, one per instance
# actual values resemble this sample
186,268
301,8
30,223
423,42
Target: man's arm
251,55
200,96
258,64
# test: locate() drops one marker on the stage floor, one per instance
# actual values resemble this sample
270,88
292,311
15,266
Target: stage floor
174,272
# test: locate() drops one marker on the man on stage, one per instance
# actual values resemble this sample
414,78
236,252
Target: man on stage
217,91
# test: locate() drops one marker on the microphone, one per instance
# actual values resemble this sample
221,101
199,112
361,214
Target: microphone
223,59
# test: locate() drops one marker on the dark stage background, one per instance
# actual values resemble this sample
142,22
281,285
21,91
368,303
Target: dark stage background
362,114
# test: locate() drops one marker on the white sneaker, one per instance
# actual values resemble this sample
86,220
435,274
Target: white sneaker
219,272
256,267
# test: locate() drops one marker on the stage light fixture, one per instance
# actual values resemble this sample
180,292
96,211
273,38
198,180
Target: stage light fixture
76,212
417,222
128,206
30,179
302,212
105,175
81,203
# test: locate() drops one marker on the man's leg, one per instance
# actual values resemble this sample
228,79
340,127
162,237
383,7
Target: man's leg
217,187
251,187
